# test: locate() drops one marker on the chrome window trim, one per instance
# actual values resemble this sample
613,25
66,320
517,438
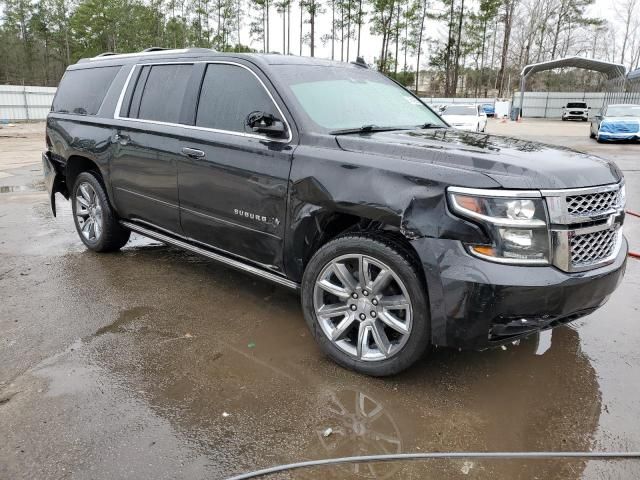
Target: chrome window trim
116,114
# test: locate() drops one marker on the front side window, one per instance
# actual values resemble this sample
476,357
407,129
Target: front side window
82,91
160,92
337,97
229,94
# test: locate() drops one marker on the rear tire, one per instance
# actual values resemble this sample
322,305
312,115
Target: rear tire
385,328
96,223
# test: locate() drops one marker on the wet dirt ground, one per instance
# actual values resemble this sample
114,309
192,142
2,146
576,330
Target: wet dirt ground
154,363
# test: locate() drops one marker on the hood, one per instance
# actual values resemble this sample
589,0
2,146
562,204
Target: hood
511,162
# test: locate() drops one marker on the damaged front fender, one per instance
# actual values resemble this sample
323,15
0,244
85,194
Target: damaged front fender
397,194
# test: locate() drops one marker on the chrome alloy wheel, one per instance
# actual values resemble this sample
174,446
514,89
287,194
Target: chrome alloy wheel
88,212
363,307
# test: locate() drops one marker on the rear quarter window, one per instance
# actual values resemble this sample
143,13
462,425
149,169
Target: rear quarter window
82,91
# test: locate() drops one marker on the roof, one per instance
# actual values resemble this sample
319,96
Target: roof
611,70
634,75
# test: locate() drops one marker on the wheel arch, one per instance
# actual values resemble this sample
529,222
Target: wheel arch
76,164
322,226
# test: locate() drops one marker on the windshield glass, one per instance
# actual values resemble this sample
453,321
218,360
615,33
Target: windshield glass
576,105
460,110
623,111
337,98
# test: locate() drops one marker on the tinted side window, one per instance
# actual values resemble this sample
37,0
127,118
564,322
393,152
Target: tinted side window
163,93
82,91
230,93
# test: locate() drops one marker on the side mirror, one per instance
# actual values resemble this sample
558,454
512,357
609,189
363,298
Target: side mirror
261,122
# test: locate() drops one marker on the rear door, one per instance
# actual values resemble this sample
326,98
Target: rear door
232,182
147,144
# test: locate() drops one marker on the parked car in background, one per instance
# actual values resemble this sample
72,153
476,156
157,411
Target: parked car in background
489,109
575,111
328,178
465,116
616,122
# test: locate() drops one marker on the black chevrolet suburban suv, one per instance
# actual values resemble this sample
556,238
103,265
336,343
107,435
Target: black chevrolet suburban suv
400,232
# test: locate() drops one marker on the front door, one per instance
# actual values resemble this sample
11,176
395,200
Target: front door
232,182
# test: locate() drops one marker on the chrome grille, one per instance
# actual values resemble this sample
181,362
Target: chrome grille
592,203
591,248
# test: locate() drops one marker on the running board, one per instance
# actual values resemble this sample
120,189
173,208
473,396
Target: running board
209,254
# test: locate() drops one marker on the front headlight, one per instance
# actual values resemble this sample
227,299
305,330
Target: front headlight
515,221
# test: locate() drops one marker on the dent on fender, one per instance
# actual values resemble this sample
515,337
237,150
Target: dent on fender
411,205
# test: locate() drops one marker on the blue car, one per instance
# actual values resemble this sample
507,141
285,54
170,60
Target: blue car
489,109
616,122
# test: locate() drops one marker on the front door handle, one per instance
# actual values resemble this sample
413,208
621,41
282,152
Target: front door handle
193,153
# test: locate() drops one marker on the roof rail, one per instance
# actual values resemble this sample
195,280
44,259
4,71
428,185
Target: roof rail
149,51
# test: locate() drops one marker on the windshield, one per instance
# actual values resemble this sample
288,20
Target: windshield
623,111
460,110
576,105
343,98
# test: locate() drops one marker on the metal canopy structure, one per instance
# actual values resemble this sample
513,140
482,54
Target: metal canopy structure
615,72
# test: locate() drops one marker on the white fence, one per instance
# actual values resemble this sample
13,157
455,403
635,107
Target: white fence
18,103
549,104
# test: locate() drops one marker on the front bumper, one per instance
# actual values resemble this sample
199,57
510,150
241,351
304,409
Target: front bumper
618,136
574,116
477,304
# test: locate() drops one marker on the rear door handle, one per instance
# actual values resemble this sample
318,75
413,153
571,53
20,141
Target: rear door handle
193,152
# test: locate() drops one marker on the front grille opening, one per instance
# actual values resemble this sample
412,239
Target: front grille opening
591,248
592,203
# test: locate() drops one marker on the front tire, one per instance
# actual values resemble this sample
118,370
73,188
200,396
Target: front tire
365,302
96,222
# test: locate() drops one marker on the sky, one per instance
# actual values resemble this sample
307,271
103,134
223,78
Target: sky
370,44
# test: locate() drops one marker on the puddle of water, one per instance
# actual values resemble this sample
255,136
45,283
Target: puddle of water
125,317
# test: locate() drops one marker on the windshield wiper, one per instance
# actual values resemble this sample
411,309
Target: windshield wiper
428,125
365,129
